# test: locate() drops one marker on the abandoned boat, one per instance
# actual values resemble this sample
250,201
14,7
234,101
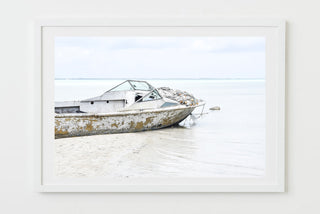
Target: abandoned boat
128,107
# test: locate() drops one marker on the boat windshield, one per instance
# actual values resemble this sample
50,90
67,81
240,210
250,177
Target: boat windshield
153,95
143,86
131,85
125,86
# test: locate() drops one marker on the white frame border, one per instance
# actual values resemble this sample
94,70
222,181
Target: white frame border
279,186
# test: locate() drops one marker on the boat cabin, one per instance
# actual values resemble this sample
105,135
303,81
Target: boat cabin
128,96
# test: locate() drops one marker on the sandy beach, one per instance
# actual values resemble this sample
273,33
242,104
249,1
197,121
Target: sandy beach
225,143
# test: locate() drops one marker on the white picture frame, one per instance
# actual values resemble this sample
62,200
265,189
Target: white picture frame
274,30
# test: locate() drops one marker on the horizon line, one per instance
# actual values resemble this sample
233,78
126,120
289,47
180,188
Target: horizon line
159,78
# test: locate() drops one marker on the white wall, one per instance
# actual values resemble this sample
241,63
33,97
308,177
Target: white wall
303,142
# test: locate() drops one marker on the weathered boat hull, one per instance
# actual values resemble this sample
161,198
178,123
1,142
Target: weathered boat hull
83,124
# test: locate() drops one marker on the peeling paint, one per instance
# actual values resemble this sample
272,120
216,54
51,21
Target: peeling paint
89,127
131,124
139,125
114,125
148,120
69,125
60,132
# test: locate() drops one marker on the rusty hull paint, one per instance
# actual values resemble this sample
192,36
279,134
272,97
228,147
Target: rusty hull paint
71,125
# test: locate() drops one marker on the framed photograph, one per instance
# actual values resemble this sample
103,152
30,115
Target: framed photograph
159,105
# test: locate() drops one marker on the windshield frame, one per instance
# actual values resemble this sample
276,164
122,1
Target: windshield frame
132,86
154,89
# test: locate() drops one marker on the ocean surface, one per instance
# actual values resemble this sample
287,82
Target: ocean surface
225,143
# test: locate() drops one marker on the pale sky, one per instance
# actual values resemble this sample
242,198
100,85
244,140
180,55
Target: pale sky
160,57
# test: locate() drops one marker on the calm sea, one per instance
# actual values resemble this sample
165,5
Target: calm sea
225,143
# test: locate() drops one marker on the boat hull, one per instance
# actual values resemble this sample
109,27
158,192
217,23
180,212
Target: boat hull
83,124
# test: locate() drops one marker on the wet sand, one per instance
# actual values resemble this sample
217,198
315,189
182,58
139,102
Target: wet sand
169,152
225,143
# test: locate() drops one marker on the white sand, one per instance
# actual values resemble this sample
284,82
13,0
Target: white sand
226,143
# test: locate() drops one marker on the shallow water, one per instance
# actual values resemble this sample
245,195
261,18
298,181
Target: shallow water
225,143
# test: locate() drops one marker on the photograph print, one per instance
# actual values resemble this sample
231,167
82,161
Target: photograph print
159,107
